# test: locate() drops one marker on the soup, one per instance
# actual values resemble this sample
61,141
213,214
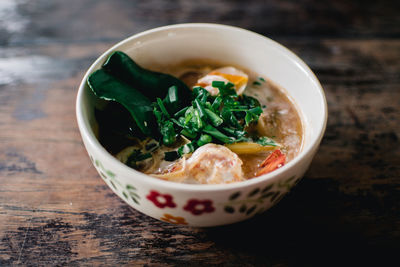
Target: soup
235,125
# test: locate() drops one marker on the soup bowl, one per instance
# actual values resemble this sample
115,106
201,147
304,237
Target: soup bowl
196,204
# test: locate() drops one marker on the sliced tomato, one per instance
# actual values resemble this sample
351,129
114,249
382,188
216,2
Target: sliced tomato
274,161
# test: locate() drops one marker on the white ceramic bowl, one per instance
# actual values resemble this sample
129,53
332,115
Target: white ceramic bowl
209,205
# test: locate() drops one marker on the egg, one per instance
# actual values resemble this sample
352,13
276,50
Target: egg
225,74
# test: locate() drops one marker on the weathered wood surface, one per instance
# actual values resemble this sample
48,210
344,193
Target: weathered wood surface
55,210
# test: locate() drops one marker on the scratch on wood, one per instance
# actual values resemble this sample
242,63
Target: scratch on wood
23,243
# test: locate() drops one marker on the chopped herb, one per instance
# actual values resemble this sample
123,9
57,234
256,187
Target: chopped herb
150,147
252,115
188,133
261,79
204,139
225,89
218,135
199,108
162,107
186,149
180,112
265,141
137,156
214,118
217,103
168,133
256,83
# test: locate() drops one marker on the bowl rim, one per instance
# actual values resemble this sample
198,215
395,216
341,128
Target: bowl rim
88,134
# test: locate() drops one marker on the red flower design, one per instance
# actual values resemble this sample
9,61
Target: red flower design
197,207
161,200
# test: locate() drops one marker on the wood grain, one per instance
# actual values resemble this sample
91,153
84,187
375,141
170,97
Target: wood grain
55,210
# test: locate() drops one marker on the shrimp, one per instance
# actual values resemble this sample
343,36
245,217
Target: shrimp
214,164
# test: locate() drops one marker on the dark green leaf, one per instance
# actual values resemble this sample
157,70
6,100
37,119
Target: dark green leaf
252,115
108,87
151,84
172,101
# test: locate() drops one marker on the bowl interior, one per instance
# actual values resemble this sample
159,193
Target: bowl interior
172,44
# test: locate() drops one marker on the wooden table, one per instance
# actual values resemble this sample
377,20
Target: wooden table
55,210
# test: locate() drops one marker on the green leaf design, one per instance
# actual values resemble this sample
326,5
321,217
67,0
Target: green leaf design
260,210
276,194
135,200
267,188
229,209
255,191
279,198
287,184
110,173
130,187
234,196
267,195
97,163
112,183
103,175
243,208
250,210
124,194
134,196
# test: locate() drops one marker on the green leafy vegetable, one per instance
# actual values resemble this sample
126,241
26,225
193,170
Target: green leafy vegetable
137,156
265,141
163,108
150,83
204,139
108,87
186,149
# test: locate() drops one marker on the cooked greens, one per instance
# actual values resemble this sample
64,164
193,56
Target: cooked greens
108,87
150,83
163,107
